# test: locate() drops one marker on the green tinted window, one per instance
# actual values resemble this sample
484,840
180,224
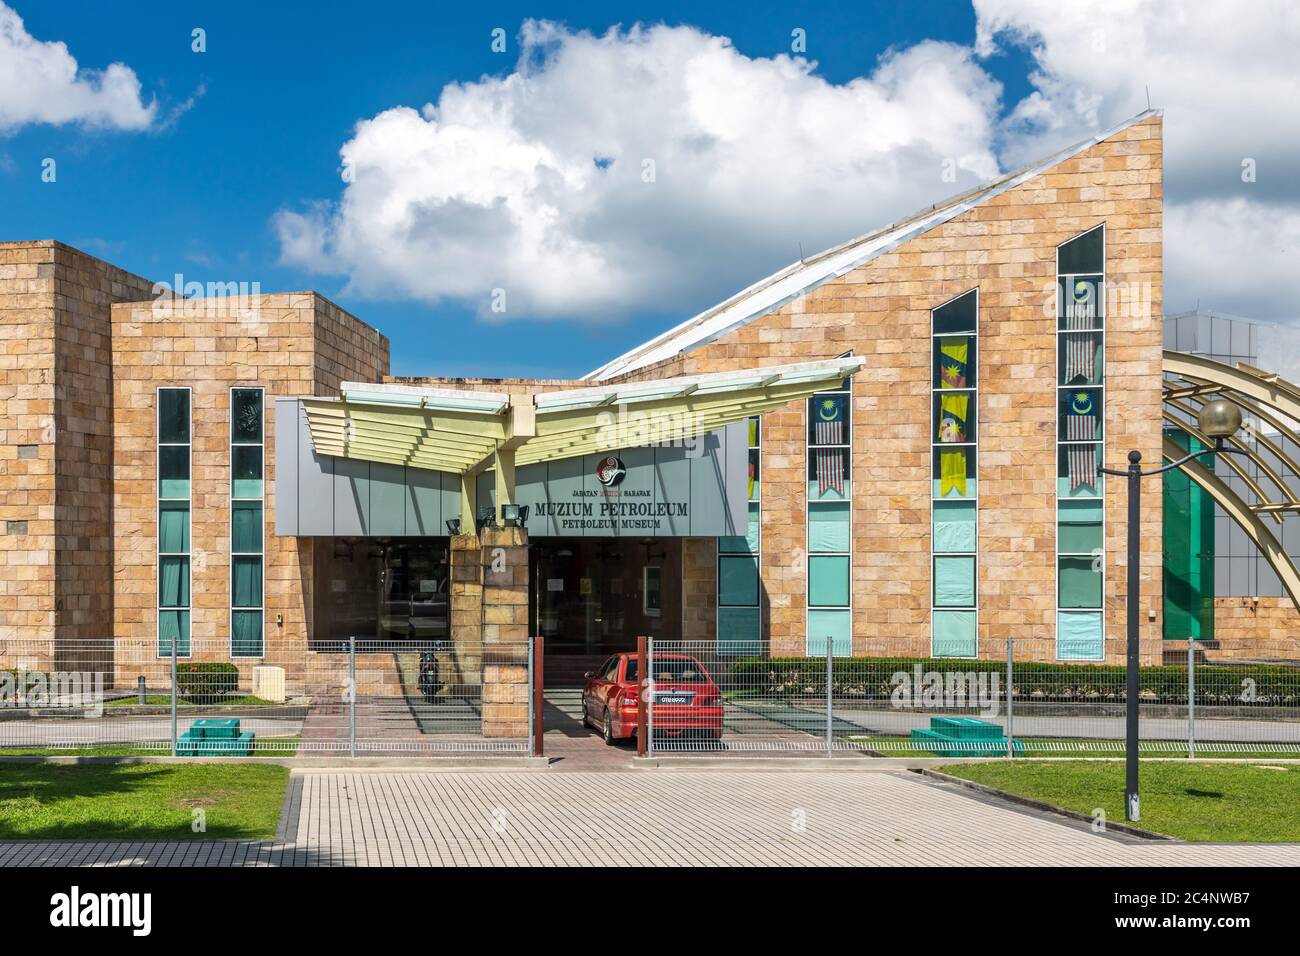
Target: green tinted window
173,416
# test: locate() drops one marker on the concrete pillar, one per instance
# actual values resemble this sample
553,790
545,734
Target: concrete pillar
504,553
466,609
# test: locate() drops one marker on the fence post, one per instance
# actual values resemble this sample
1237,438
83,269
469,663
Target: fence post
830,693
650,689
1011,707
537,665
1191,698
140,690
532,700
175,738
352,696
642,704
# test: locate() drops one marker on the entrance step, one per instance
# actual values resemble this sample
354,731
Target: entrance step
566,700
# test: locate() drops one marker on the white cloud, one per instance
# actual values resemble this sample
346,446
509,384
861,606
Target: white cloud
1234,255
501,185
1226,77
40,82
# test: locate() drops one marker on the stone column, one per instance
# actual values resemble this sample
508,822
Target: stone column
505,632
466,610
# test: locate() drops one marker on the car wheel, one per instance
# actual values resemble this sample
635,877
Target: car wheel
583,706
607,729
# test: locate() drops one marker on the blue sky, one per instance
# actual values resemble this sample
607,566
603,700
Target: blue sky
251,130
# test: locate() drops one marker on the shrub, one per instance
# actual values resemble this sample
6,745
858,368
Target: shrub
871,678
206,682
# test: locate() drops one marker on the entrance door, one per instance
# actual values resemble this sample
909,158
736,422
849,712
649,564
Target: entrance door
592,597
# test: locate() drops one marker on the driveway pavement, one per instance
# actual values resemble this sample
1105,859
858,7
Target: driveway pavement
653,818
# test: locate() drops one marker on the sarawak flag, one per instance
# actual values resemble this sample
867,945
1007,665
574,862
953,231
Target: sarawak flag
952,428
953,353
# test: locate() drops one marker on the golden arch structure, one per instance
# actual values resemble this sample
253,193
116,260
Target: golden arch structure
1271,406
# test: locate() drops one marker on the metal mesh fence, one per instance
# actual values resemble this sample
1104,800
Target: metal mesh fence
345,697
1209,703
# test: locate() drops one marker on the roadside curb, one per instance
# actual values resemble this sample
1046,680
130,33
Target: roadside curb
855,763
406,764
1052,808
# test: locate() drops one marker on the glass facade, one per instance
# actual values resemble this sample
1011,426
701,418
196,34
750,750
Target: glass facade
1189,550
954,605
1080,421
388,590
739,613
247,502
174,497
829,521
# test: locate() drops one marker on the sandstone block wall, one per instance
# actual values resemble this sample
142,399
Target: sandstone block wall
1006,246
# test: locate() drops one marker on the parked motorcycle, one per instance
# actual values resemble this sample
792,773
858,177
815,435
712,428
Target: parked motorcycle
429,681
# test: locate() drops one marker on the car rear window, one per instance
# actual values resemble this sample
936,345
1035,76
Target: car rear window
670,669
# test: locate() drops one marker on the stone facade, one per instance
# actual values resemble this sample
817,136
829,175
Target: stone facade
1006,247
1249,628
85,348
289,344
56,571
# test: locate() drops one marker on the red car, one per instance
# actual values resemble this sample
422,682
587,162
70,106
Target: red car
687,701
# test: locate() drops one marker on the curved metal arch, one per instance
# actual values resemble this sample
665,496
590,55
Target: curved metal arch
1192,380
1247,519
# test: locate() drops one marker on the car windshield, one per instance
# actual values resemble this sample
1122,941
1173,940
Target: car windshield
670,669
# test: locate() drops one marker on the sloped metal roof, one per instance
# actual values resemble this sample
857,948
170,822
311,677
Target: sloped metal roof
799,277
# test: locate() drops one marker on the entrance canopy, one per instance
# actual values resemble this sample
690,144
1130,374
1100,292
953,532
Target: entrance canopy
468,432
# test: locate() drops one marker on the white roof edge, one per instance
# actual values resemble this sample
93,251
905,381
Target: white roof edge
780,287
432,395
827,367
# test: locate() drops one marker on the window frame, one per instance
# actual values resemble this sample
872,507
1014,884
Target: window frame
1100,389
936,497
231,499
159,553
810,505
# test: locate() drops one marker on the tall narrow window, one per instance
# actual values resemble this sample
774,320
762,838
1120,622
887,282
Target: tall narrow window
830,488
246,533
1081,414
954,484
173,521
739,614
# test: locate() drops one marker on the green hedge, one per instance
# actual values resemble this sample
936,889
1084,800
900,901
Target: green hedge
871,678
206,682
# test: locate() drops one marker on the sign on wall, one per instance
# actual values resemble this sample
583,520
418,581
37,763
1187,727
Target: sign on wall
657,491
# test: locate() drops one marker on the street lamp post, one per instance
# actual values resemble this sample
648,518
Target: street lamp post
1218,419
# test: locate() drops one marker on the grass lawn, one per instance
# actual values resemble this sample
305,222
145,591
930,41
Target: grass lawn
263,746
900,746
1191,801
165,700
139,801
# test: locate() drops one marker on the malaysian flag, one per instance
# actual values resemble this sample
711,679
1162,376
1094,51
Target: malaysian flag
1081,426
829,430
1081,305
1080,357
1081,343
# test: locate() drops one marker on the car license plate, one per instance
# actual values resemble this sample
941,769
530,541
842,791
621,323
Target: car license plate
674,698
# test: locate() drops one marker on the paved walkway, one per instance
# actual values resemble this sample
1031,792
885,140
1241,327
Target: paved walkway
655,818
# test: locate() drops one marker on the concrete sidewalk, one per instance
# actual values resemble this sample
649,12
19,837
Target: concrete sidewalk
683,818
